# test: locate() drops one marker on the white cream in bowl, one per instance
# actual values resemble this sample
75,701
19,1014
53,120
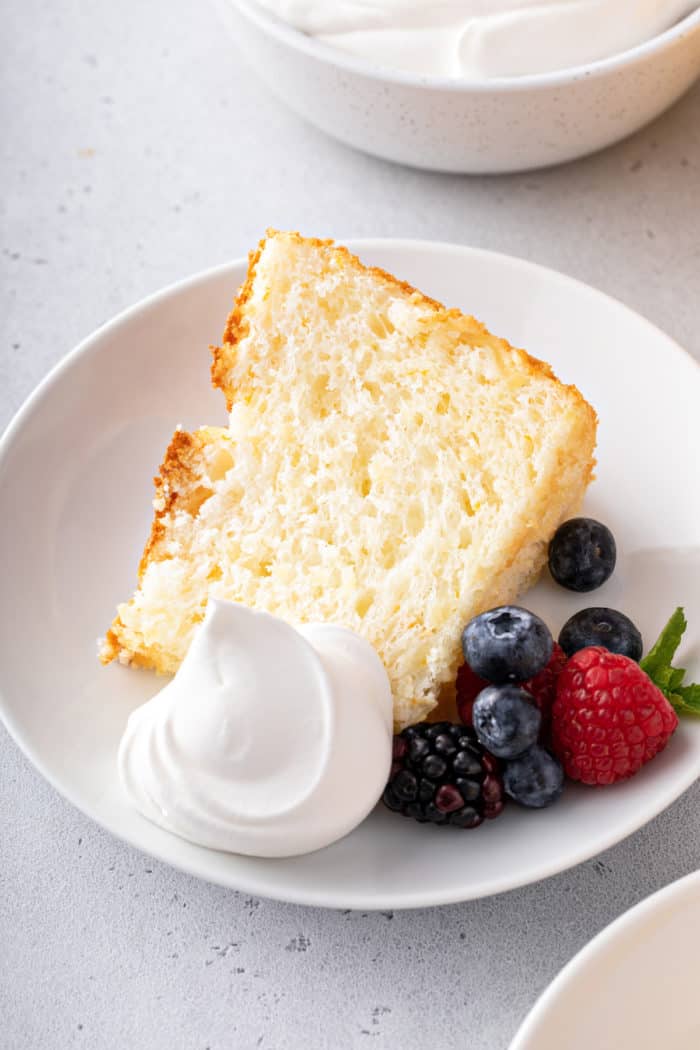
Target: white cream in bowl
481,39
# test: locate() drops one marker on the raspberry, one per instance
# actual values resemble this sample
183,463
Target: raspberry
469,685
543,687
608,718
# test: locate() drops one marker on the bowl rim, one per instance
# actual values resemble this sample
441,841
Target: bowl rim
295,38
615,933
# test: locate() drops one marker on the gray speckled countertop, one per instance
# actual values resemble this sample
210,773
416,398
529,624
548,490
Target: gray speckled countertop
135,151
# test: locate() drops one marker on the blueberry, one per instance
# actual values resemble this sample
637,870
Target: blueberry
582,554
507,644
535,779
598,626
506,720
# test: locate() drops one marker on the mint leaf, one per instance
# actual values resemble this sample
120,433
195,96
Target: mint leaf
658,659
686,699
657,664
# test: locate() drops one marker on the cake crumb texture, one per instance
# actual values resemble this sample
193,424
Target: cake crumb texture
389,466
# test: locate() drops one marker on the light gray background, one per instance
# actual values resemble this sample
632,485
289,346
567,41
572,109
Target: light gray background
135,151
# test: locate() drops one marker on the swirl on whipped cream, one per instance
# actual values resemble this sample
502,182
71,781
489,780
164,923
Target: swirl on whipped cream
481,39
269,741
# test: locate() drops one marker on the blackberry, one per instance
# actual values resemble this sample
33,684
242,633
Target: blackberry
442,775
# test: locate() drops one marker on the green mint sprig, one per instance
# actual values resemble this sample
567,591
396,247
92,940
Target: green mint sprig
669,679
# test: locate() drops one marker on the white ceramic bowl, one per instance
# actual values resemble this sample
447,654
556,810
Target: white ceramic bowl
634,987
467,126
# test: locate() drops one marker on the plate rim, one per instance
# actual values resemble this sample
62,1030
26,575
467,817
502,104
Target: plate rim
569,973
417,898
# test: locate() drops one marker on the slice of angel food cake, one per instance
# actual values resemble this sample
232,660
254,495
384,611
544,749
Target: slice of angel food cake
389,466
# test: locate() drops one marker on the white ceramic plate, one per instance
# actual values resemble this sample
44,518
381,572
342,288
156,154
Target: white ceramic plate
634,987
75,488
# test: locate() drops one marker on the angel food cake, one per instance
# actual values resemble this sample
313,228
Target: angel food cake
389,466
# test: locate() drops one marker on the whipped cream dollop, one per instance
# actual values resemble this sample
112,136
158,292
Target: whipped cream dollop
268,741
481,39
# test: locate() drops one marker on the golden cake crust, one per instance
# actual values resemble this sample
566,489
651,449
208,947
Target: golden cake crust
244,367
237,325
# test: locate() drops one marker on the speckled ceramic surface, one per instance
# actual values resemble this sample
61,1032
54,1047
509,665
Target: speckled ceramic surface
443,125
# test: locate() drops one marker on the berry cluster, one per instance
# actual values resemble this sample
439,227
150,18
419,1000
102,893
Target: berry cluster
509,647
533,710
